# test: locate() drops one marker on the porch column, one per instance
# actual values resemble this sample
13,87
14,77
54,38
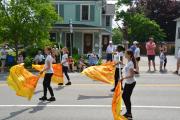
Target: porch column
100,44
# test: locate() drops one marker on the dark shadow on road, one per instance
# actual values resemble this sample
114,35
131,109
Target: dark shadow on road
83,97
40,106
57,89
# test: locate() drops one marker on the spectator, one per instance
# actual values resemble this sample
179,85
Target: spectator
162,58
81,64
133,47
163,48
20,58
93,60
150,47
39,58
3,57
137,56
71,64
178,62
109,51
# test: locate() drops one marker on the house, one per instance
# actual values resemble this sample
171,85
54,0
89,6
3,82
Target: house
177,42
91,24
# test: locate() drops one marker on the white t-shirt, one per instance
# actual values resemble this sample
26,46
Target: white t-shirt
127,68
162,57
110,49
117,59
64,60
39,57
178,55
50,60
137,53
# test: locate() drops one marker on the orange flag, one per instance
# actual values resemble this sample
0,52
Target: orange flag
22,81
58,74
104,73
117,103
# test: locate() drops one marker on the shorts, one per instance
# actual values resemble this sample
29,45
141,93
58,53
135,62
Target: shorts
138,59
151,57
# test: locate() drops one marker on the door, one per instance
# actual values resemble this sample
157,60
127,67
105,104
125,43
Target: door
88,43
105,42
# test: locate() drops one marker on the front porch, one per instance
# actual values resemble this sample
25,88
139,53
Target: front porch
86,39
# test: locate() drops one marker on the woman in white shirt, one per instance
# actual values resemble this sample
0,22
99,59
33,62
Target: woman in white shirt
65,64
48,69
130,82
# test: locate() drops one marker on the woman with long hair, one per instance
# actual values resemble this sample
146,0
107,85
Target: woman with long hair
130,82
48,75
65,64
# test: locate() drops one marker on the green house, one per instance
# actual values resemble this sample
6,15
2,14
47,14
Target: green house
91,25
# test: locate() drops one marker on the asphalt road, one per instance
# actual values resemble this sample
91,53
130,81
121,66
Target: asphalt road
156,97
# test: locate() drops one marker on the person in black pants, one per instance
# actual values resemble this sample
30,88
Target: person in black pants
48,75
65,65
118,59
130,82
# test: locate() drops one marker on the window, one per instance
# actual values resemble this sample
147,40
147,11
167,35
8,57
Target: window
107,20
53,36
179,33
56,8
85,12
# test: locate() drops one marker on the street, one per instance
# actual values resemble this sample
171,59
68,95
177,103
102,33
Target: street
156,97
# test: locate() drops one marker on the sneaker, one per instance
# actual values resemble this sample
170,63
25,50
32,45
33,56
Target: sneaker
112,90
43,98
128,116
60,84
69,83
51,99
175,72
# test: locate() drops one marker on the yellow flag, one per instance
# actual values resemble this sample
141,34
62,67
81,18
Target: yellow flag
58,74
22,81
104,73
117,103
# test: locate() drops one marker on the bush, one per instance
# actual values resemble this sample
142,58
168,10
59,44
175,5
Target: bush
28,61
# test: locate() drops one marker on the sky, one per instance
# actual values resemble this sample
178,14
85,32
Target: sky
114,25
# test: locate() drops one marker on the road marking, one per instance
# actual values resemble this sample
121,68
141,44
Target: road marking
92,106
140,85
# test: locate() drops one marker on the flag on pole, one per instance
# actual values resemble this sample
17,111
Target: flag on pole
117,103
104,73
58,73
22,81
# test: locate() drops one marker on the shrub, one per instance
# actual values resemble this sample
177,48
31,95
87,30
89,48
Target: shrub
28,61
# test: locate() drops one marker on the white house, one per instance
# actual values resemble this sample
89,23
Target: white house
177,37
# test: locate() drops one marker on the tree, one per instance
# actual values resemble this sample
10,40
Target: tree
163,12
117,36
136,25
26,21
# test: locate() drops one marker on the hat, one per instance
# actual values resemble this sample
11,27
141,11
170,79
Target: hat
110,41
135,42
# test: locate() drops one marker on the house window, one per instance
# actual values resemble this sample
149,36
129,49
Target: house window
53,36
85,10
107,20
179,33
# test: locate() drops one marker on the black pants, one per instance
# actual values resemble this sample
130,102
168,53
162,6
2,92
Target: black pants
127,92
65,71
47,84
116,77
109,57
165,62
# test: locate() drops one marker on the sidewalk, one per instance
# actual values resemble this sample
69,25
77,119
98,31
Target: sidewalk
171,64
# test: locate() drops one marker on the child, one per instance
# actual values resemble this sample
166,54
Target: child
162,57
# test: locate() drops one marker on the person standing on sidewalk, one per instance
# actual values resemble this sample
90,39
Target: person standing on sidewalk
118,59
65,64
48,75
137,56
130,82
178,62
109,52
3,58
163,48
150,47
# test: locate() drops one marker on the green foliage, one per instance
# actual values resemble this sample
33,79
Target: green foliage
25,22
117,36
28,61
136,25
